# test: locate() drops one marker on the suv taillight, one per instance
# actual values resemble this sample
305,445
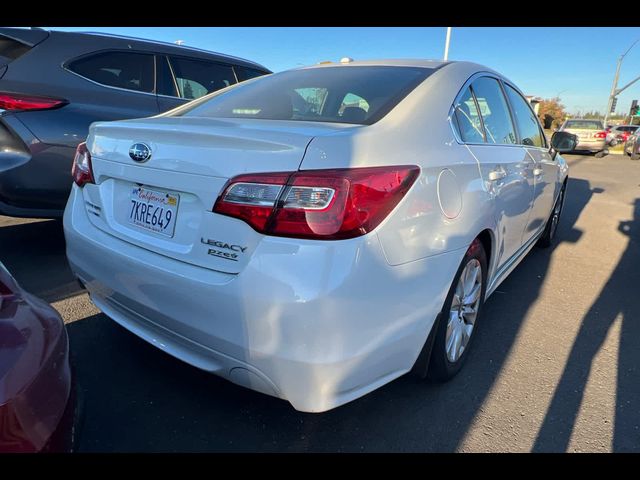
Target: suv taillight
20,102
319,204
81,170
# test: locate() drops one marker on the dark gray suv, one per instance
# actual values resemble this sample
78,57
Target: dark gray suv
54,84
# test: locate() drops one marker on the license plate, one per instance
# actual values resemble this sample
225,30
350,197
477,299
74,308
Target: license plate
153,210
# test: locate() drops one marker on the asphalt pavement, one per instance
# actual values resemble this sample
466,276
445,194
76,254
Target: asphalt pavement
555,365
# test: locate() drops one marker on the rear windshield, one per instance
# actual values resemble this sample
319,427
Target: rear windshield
629,128
584,124
11,49
345,94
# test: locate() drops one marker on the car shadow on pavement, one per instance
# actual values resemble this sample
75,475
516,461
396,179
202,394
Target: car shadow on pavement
138,398
28,250
612,304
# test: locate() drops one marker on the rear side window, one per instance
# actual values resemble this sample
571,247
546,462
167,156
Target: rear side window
494,110
11,49
467,119
527,122
128,70
196,78
245,73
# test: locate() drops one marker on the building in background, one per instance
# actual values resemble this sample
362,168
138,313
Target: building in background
535,102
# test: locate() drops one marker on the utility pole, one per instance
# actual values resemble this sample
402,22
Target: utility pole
446,44
615,91
612,95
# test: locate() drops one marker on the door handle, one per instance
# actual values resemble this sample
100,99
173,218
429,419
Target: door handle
538,171
497,174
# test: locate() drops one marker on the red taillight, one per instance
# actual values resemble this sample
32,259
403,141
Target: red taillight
320,204
17,101
81,170
600,135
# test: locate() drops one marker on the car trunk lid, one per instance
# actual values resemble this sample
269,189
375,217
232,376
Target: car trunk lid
190,161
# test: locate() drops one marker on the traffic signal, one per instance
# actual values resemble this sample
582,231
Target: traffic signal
634,108
613,104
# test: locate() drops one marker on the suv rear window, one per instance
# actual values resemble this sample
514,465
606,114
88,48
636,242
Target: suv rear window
584,124
128,70
316,94
11,49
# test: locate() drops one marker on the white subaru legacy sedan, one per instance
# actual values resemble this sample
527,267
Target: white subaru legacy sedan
316,233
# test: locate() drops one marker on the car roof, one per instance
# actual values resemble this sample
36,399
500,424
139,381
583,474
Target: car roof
169,48
408,62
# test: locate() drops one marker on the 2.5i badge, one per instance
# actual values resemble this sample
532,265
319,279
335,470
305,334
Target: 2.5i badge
224,250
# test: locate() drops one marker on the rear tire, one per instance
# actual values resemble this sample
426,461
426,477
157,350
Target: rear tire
602,154
459,318
554,219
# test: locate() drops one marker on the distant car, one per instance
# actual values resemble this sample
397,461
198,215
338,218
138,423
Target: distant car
591,134
632,146
316,233
54,84
621,133
37,404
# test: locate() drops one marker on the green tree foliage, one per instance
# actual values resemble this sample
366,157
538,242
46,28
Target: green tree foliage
551,113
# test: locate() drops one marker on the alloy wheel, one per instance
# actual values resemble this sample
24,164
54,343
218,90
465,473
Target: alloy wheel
464,309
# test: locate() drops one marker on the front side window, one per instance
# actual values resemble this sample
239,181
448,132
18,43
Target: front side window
344,94
494,110
128,70
467,119
527,122
309,100
353,107
196,78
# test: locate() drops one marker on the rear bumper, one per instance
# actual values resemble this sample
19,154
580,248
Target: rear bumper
316,323
592,145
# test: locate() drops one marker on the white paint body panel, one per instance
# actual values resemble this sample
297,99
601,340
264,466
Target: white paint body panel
318,323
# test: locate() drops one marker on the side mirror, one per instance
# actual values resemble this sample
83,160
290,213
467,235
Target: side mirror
563,142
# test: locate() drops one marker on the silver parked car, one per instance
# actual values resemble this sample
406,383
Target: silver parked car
632,146
591,134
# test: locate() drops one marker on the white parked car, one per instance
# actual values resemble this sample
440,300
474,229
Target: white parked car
316,233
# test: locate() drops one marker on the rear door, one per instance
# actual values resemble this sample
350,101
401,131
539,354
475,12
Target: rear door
545,171
182,79
506,167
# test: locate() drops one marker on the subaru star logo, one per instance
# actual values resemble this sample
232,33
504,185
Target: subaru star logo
140,152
